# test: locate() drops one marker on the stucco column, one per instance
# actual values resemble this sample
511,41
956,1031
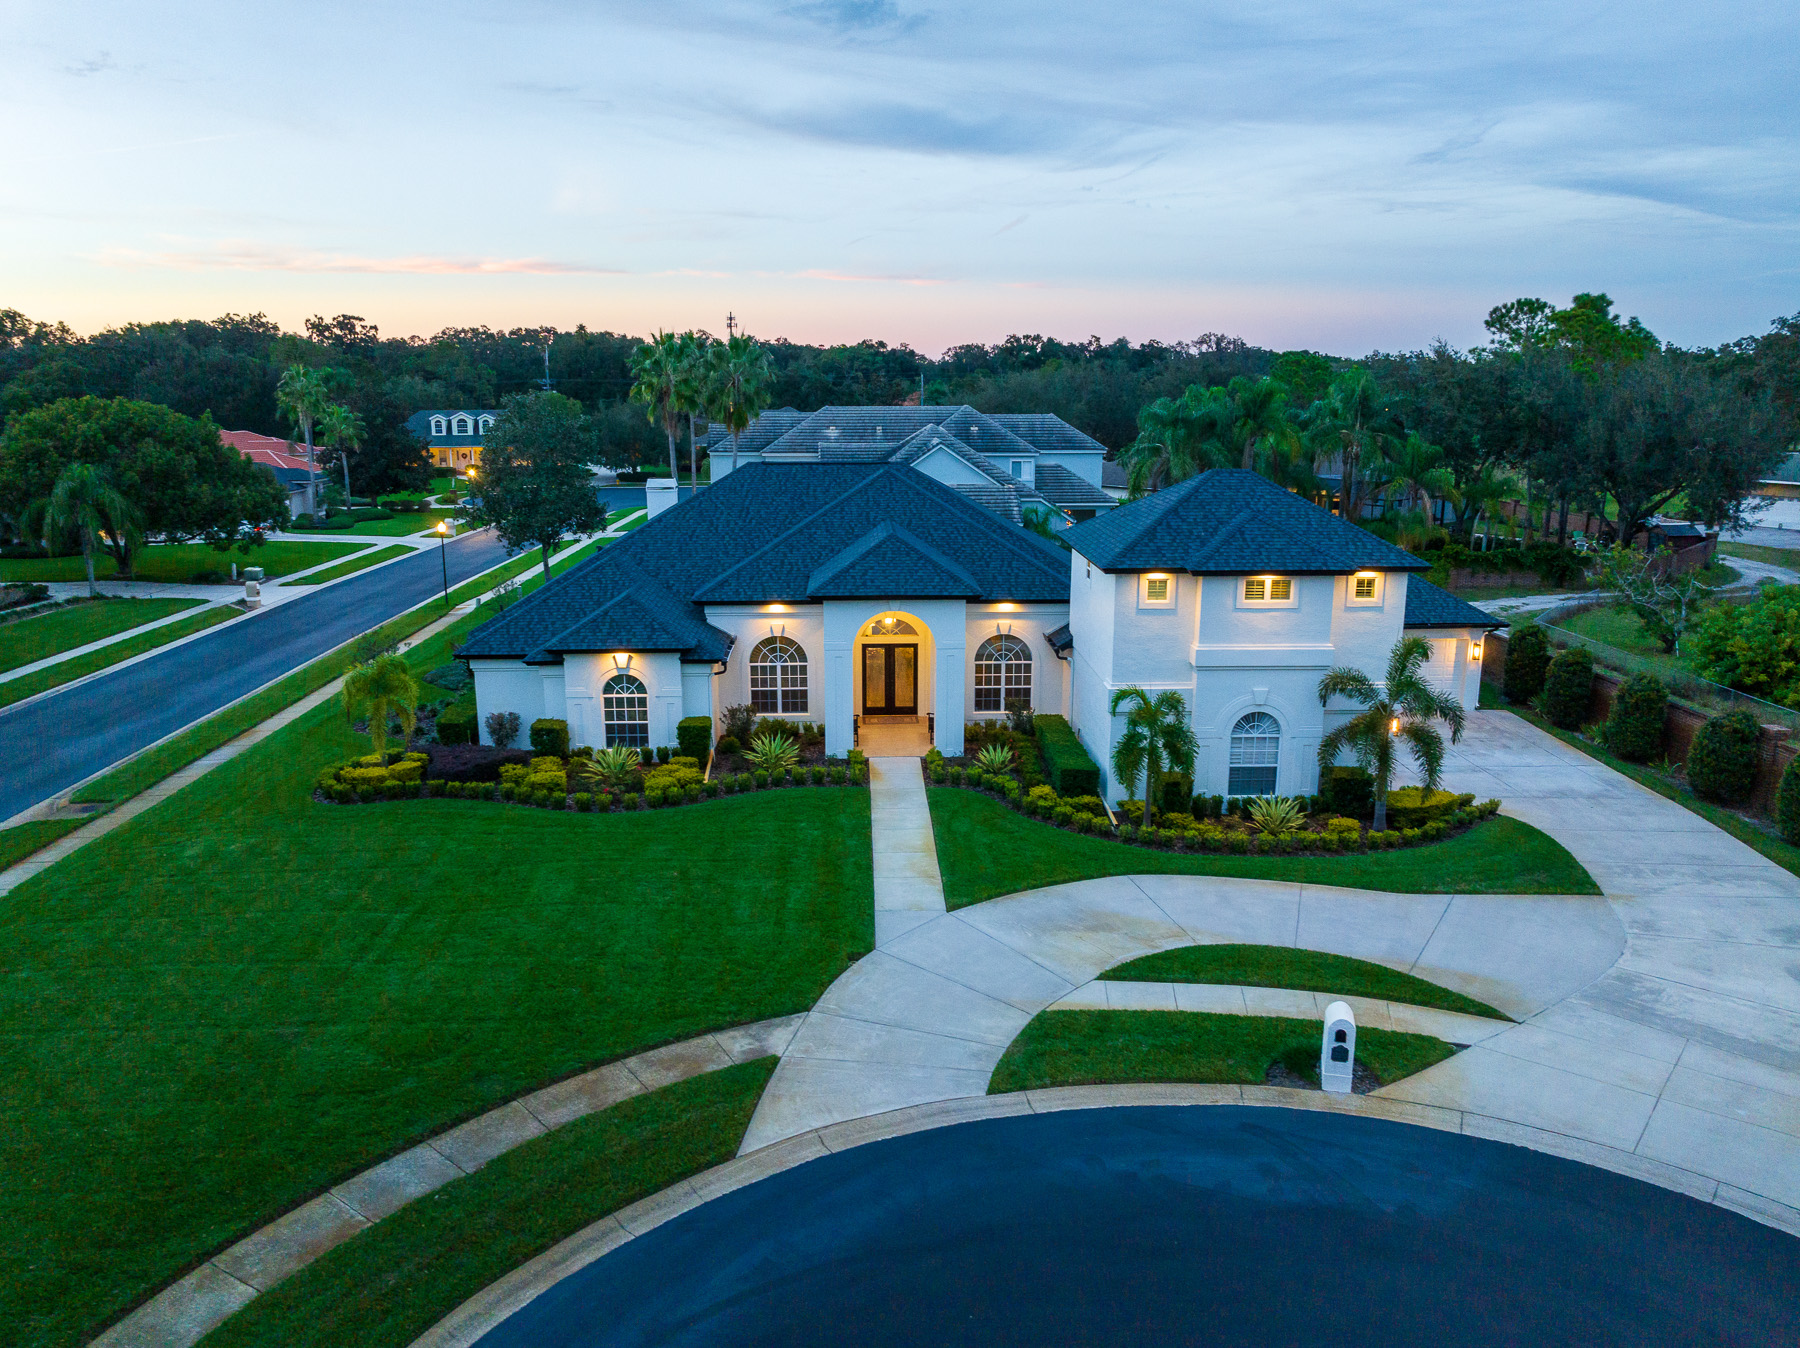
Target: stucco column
951,639
839,692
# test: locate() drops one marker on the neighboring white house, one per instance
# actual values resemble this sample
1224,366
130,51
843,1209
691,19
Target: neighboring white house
860,594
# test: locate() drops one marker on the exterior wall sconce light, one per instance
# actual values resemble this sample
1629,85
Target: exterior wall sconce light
1007,608
1394,726
621,660
1475,650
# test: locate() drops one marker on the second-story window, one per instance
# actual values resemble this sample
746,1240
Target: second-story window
1268,589
437,425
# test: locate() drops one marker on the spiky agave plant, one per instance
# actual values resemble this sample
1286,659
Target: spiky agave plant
995,758
773,753
1276,814
614,768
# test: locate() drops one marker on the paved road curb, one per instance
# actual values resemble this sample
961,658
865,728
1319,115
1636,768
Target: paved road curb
500,1299
184,1312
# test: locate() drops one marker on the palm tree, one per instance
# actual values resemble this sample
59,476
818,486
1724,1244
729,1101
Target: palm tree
1266,437
1403,708
301,397
83,502
740,385
1179,438
1158,738
1418,470
692,392
1485,487
382,688
343,430
1351,423
657,368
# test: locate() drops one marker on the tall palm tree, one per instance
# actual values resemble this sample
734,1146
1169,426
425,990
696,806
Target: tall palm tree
1264,433
1351,422
656,366
382,688
1158,738
692,392
1418,471
1402,708
1179,438
740,385
343,430
1486,487
84,502
302,399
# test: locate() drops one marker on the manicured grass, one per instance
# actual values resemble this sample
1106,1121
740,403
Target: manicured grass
986,850
242,996
400,526
150,767
54,676
1276,966
174,563
394,1281
1751,832
1756,552
21,840
63,629
1475,594
353,564
1094,1048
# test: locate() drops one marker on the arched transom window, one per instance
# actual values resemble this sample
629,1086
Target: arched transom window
1255,755
1002,673
625,705
777,677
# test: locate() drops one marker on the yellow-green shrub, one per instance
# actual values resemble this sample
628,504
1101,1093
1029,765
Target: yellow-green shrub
361,776
407,770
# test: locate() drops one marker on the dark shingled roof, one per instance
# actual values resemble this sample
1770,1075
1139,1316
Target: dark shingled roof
1056,483
776,533
1230,522
1428,606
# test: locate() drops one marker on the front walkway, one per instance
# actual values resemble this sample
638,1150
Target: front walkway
1662,1022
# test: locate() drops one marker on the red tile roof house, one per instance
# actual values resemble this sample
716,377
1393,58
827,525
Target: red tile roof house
286,460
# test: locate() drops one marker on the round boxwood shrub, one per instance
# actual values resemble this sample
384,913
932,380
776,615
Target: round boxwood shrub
1787,802
1721,765
1527,663
1634,727
1568,688
762,778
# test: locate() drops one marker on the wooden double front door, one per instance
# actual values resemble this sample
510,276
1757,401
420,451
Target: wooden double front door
890,680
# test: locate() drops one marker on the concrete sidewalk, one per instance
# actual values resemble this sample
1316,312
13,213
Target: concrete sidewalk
908,889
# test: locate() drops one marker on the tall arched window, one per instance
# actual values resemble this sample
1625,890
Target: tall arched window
1002,673
625,706
1255,755
437,425
777,677
462,426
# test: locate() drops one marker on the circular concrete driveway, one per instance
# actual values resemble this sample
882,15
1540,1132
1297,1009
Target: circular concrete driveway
1167,1225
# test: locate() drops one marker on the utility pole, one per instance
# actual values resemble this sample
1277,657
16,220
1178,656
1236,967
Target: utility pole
545,381
730,325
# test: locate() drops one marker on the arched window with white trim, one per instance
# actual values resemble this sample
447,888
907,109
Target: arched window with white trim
625,708
1002,673
463,426
487,424
778,677
437,425
1255,755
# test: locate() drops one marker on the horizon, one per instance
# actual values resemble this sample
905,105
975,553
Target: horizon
852,169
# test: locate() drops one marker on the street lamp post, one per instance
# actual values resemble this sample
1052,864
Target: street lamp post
443,533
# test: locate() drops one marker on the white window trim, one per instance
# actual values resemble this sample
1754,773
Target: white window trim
1144,579
439,426
463,426
484,425
1380,598
1254,605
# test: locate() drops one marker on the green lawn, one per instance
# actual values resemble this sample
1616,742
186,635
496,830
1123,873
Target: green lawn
21,840
1277,966
986,850
63,629
1620,629
401,525
350,565
1756,552
390,1284
175,563
242,996
54,676
1093,1048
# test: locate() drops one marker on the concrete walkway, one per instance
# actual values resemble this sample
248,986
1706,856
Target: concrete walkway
908,889
182,1313
1662,1021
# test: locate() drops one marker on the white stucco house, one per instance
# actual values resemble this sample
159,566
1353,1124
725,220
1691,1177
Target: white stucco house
865,594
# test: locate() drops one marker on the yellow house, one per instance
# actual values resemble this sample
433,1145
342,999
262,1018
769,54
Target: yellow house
453,433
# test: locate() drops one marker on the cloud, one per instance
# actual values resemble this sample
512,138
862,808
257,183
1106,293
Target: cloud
856,15
922,130
820,274
257,257
94,65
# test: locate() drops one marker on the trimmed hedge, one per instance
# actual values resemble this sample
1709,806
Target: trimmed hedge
1410,807
1787,802
693,735
1349,790
1721,764
457,725
1634,727
1527,663
1569,688
1072,771
550,736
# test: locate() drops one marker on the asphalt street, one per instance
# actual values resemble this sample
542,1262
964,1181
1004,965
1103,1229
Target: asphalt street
56,741
1214,1226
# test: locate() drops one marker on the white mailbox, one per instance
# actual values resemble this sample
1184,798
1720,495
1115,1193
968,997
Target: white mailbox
253,594
1337,1055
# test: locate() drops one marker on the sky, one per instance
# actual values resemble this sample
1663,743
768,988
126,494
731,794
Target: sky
1345,177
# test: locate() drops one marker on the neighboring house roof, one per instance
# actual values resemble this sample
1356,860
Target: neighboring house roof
283,458
1057,484
1231,522
419,423
1787,472
1114,477
1428,606
777,533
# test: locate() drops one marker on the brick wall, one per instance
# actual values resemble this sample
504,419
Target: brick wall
1775,748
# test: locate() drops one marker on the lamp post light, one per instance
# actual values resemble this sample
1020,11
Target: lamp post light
443,533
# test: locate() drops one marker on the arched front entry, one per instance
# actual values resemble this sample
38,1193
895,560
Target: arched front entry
894,666
895,684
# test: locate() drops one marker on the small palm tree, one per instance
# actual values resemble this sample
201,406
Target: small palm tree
85,503
657,368
1158,739
382,688
1401,709
343,430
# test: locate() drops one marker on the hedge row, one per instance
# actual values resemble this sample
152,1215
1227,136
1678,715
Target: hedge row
1073,771
331,789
